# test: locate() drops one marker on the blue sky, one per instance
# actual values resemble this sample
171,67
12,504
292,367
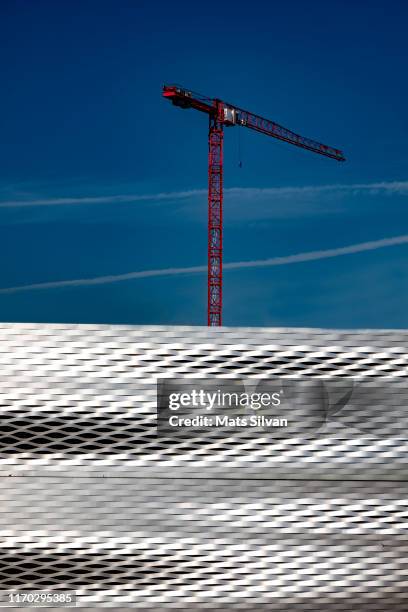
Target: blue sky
99,176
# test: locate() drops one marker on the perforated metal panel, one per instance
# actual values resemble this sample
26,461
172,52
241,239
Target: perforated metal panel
214,524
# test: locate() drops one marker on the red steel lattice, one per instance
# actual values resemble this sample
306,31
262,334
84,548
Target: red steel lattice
224,114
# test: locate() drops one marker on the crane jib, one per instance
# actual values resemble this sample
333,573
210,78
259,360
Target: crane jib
231,115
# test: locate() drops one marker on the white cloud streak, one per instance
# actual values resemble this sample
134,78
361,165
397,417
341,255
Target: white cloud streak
259,263
108,199
386,188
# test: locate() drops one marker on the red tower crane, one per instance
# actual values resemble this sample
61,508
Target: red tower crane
224,114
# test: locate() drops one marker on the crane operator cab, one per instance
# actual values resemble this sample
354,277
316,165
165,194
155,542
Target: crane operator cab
230,116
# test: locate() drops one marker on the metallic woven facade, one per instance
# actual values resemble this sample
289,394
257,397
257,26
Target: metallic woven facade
94,500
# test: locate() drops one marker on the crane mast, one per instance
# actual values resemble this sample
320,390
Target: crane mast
224,114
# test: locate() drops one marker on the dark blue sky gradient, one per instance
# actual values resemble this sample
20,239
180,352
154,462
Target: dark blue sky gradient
82,116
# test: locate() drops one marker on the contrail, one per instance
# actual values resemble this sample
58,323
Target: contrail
108,199
385,187
259,263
